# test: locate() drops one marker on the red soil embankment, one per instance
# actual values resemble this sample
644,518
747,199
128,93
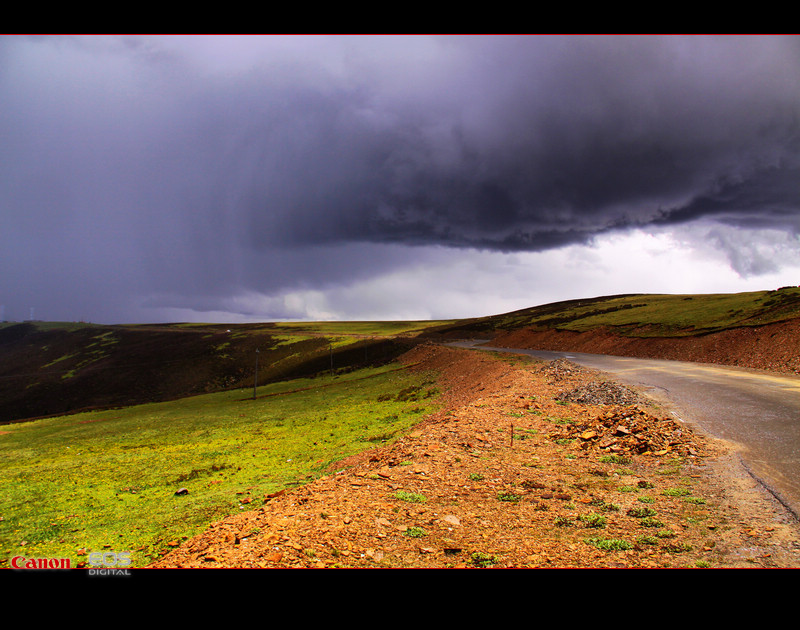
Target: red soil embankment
775,347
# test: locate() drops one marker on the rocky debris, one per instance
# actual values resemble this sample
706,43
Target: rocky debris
631,430
600,393
560,369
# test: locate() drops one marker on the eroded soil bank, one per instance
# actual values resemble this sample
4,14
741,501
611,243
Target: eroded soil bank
775,347
529,464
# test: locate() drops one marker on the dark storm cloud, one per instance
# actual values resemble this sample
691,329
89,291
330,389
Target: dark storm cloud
531,143
201,167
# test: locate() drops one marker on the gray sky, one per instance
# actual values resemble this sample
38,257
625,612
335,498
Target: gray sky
236,178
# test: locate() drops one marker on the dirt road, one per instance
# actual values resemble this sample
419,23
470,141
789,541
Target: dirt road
757,411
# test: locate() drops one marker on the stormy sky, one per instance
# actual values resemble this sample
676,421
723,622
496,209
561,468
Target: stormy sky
237,178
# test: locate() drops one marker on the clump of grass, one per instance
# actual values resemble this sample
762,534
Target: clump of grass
594,520
677,547
677,492
476,477
695,500
606,507
508,497
415,532
609,544
647,540
641,512
614,459
410,497
649,521
562,521
483,560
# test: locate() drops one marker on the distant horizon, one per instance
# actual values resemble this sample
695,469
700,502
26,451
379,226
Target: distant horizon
444,319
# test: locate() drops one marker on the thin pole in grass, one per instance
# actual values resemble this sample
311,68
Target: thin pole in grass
255,377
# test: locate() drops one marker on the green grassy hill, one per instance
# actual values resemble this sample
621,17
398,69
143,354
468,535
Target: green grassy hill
645,315
51,368
140,479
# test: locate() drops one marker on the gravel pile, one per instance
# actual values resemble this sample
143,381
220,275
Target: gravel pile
561,369
601,393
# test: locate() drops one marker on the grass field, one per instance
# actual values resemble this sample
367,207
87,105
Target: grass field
107,481
652,314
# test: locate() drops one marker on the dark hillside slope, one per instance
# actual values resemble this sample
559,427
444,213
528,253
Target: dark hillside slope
50,369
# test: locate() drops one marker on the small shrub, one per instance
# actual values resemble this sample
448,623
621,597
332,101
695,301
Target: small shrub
508,497
676,492
476,477
647,540
483,560
649,521
609,544
695,500
415,532
593,520
615,459
410,497
641,512
677,547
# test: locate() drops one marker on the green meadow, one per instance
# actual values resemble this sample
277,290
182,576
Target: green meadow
646,315
109,480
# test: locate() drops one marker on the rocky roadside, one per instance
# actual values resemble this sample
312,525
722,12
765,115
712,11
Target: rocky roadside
528,465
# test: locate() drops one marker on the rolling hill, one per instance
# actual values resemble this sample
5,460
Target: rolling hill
759,329
49,369
55,368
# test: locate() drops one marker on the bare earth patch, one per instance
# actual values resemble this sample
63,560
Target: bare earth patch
513,473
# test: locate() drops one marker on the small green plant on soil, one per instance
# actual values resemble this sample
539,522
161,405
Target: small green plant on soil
476,477
641,512
677,547
605,506
593,520
614,459
508,497
649,521
695,500
482,560
677,492
410,497
415,532
609,544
